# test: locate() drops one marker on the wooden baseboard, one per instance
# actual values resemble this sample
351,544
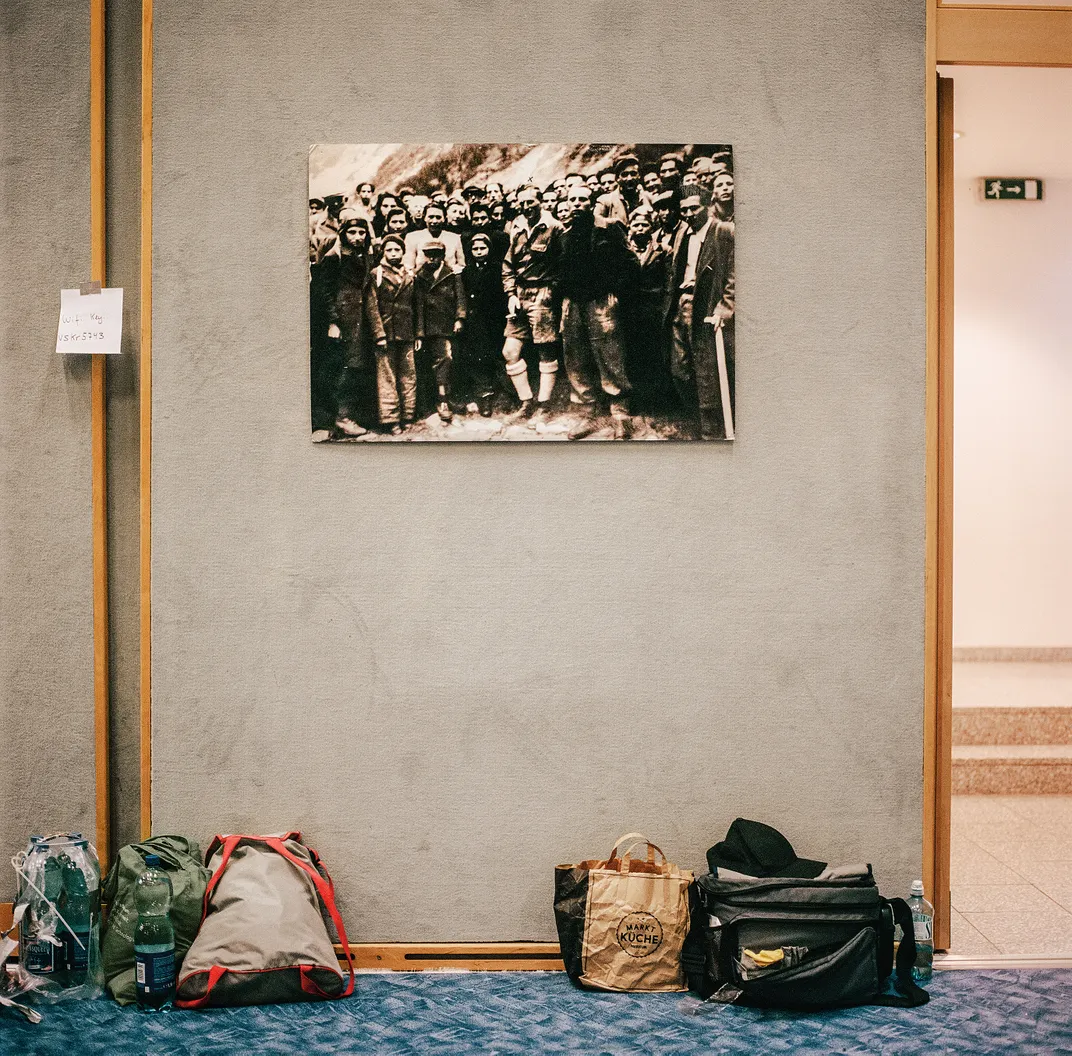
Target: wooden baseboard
464,956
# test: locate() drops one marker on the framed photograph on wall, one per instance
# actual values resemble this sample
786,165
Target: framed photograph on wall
521,292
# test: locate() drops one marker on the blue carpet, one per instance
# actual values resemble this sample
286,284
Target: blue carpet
1009,1012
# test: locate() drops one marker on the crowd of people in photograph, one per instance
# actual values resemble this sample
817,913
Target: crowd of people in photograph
472,301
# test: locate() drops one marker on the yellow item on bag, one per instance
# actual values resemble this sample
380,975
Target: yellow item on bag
765,958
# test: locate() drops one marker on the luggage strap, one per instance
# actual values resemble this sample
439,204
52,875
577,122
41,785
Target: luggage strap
909,994
325,889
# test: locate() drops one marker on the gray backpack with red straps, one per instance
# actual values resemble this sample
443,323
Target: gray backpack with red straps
265,934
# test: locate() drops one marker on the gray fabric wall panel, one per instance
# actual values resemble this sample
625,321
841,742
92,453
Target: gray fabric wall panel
46,581
454,666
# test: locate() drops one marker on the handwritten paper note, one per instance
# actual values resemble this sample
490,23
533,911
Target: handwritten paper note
90,322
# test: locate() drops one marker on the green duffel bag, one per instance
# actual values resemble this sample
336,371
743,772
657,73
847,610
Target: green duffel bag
180,858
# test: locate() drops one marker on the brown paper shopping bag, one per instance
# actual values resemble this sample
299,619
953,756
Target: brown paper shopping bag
622,921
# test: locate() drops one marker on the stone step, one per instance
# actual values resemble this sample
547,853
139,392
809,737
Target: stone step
996,725
1012,769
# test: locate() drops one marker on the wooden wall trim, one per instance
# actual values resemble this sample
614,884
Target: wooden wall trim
943,673
470,956
930,643
977,35
145,416
98,445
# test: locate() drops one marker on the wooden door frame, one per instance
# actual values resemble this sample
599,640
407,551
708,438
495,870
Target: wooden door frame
957,35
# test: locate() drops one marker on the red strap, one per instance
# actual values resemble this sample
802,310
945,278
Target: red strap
215,973
326,890
228,849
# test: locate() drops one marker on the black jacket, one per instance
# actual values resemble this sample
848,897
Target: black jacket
485,301
595,260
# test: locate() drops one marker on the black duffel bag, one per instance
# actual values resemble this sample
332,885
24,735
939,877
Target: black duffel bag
832,943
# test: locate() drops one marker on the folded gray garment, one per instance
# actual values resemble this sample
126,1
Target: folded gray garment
844,872
831,872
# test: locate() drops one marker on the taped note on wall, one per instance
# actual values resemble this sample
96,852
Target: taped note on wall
91,322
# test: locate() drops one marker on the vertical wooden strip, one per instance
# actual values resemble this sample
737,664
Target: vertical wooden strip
98,430
930,643
944,584
145,412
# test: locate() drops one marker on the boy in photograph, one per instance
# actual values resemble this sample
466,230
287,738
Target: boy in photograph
396,372
441,314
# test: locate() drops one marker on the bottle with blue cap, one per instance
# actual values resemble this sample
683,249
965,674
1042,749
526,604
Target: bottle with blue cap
923,926
154,938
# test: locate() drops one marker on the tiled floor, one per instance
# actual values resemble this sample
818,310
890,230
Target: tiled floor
1012,875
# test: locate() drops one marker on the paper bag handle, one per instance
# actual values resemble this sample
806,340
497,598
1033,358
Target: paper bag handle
638,838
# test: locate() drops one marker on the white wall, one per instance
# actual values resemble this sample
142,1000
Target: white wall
1012,548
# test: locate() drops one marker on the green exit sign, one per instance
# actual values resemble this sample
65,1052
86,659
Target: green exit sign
1012,188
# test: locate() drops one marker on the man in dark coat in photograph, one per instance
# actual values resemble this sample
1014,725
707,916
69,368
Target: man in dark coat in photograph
596,265
355,322
478,358
713,332
642,318
700,301
441,314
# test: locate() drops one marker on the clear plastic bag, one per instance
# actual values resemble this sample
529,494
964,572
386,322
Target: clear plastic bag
60,907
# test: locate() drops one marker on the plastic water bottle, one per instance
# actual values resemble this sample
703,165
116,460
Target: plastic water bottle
41,956
154,938
77,912
923,922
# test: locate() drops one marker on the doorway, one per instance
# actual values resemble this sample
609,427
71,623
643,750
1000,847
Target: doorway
1011,773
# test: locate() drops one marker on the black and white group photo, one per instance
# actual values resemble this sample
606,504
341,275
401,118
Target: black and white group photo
521,292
